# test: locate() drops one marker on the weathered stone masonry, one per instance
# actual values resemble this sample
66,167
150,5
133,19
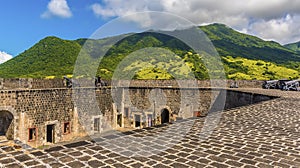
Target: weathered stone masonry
148,104
34,109
44,116
36,113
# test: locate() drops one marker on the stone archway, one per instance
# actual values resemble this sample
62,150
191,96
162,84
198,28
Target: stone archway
6,124
165,116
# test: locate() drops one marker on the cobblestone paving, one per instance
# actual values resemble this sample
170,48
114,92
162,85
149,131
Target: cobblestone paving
266,134
271,92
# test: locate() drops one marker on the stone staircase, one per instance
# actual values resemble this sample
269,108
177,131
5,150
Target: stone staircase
3,139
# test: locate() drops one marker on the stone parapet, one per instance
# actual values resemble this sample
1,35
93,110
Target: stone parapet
28,83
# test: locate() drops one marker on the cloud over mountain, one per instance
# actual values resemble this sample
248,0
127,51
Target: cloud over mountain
59,8
272,20
4,57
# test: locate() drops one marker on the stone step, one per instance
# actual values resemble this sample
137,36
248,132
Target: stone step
3,139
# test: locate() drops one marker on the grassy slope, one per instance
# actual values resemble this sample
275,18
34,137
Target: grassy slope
145,65
294,46
242,68
244,57
232,43
49,57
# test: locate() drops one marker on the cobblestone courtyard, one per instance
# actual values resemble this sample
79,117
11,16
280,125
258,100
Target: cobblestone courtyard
266,134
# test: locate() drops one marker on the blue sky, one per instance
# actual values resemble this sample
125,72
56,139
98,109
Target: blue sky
24,23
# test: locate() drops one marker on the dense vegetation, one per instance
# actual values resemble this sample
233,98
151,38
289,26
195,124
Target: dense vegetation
243,68
232,43
294,47
49,57
244,57
165,58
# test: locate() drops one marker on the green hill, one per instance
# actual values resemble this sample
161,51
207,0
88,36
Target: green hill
242,68
161,62
49,57
294,46
229,42
244,57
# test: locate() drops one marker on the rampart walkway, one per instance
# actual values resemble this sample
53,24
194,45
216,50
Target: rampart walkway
266,134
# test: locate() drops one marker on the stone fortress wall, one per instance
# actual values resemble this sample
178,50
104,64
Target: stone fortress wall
42,112
28,83
33,110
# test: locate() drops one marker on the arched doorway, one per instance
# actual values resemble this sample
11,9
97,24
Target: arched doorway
165,116
6,124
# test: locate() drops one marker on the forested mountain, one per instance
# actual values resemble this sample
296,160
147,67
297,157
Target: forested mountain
244,57
294,46
49,57
230,42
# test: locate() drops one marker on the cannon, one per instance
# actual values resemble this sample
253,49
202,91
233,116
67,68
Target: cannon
271,84
290,85
71,82
281,83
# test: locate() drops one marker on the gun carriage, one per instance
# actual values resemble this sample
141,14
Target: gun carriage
271,84
290,85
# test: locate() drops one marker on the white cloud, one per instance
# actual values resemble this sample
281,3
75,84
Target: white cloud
261,18
57,8
283,30
4,57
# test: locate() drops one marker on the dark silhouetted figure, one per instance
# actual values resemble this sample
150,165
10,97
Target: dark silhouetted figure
71,82
234,85
99,82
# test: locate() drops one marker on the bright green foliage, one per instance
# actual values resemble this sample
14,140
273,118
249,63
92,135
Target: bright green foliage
242,68
164,66
294,46
230,42
157,64
49,57
244,57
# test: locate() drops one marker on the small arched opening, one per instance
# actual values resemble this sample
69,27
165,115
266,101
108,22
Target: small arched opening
6,124
165,116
